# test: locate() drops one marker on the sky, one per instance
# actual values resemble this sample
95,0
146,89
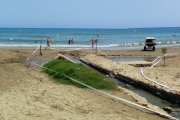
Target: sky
89,13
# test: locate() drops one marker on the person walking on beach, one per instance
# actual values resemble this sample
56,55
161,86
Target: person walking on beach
49,41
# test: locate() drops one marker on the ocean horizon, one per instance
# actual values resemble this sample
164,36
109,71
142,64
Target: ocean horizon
30,37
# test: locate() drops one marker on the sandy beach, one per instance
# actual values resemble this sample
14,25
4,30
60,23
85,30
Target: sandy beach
28,93
89,60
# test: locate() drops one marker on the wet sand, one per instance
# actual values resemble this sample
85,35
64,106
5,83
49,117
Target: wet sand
28,93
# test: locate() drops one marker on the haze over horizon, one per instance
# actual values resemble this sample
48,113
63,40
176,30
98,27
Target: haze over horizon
118,14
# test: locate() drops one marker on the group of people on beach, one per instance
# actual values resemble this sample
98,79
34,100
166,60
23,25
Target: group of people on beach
49,41
71,41
93,42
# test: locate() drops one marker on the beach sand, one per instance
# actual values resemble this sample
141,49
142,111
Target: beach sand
27,93
168,74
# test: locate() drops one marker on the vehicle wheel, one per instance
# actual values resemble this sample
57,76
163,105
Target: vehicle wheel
154,48
144,48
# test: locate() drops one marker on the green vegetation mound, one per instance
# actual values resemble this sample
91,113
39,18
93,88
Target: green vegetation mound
78,72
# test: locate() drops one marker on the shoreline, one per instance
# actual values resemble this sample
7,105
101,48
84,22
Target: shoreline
79,52
79,46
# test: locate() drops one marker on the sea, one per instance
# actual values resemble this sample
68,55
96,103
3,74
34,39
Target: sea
31,37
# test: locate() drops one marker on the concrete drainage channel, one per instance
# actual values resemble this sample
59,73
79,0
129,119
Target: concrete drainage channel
172,109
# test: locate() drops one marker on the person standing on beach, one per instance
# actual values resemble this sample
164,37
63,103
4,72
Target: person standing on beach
92,42
49,41
69,41
72,41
